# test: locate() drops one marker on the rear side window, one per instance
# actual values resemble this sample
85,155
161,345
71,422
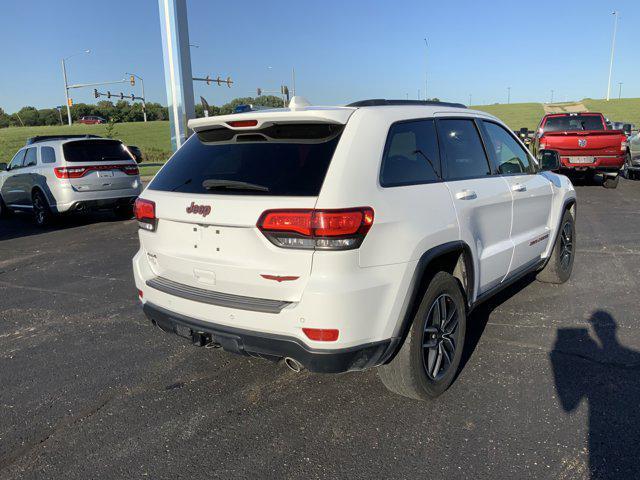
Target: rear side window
31,158
411,155
462,149
48,155
94,151
508,155
281,160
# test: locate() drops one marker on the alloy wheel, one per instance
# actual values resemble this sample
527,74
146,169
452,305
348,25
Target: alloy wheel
439,337
38,209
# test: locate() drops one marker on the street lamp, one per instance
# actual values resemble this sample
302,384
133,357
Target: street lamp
66,86
144,99
613,48
426,64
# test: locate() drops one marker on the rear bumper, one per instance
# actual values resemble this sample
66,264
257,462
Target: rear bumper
612,163
103,204
270,346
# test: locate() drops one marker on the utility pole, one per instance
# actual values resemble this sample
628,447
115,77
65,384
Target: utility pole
469,99
418,94
293,80
619,90
508,95
613,48
426,78
66,83
551,96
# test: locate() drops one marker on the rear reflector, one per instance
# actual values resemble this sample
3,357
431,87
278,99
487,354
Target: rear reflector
243,123
145,212
321,334
317,229
140,294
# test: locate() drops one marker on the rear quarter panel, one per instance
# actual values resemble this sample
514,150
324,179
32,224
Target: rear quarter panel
409,220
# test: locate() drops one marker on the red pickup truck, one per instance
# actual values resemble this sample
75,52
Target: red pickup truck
584,144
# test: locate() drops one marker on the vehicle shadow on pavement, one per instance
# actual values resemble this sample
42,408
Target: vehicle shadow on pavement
607,376
21,224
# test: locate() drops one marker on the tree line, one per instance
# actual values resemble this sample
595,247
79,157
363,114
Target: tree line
121,111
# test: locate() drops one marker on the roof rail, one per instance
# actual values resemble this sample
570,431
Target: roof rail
46,138
377,102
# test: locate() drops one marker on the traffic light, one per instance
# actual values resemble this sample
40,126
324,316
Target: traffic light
133,97
108,94
259,91
208,80
218,80
70,102
229,82
132,80
121,96
95,93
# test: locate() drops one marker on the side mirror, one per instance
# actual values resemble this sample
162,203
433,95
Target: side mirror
626,128
549,160
3,166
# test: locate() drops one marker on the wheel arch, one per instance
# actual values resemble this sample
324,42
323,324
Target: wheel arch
455,258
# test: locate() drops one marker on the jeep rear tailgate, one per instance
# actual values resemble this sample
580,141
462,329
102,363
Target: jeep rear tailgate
211,194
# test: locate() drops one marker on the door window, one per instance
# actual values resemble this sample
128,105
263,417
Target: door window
411,156
462,148
16,161
31,158
509,156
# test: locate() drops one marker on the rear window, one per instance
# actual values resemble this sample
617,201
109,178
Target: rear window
281,160
94,151
573,123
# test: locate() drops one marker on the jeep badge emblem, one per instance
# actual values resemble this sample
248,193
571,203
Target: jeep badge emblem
203,210
582,142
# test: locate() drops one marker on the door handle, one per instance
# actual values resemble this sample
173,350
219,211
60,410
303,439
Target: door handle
466,195
518,187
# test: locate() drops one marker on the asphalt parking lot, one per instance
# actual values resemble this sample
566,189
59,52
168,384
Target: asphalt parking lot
89,389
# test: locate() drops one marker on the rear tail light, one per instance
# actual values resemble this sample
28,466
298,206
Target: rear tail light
623,146
321,334
70,172
79,172
145,212
317,229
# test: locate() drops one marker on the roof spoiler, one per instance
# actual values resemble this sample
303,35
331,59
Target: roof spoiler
46,138
378,102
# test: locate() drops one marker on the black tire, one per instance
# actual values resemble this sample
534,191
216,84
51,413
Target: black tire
560,265
4,211
611,182
124,212
41,212
411,372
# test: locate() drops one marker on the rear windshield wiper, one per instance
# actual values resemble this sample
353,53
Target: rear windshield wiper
214,183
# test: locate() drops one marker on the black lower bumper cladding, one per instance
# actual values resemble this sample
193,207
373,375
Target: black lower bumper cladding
267,345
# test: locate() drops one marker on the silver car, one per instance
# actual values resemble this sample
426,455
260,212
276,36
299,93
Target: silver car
71,173
632,162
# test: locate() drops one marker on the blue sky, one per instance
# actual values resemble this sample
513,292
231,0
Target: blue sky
342,50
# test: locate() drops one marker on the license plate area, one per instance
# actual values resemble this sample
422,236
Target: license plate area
105,173
581,160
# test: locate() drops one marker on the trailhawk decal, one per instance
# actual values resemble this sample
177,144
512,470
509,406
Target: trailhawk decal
539,239
203,210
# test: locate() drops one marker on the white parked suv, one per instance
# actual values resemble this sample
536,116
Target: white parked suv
344,238
69,173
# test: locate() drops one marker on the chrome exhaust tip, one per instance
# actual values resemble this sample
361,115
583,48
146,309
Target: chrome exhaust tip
293,364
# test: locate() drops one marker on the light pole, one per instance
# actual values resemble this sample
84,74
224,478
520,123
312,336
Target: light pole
508,95
426,78
144,99
66,85
613,48
551,97
469,99
619,90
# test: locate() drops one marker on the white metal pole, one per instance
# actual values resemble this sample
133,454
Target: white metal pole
66,91
144,101
613,47
426,65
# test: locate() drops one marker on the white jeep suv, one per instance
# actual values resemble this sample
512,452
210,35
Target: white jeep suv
344,238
